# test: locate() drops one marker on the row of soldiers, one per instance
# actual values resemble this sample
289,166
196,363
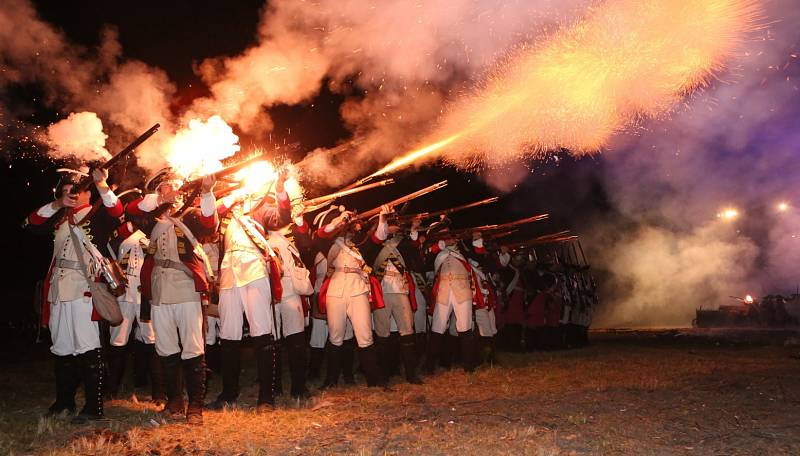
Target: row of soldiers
200,273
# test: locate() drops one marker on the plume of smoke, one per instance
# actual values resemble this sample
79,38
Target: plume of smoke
734,144
80,136
129,96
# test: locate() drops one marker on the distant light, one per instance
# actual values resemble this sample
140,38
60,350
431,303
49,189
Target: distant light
728,214
783,206
748,299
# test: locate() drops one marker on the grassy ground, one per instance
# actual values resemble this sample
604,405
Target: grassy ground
626,394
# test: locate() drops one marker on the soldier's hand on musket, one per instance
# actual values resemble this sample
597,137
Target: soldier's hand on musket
476,235
67,199
208,183
100,176
415,224
283,174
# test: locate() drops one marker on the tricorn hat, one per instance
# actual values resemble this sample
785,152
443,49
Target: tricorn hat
162,176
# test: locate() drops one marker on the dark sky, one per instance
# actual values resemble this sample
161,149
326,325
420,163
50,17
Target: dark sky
177,34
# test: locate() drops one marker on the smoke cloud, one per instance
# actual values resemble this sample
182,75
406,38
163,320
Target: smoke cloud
79,136
733,145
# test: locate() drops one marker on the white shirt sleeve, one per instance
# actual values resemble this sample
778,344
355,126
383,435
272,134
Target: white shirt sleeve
48,210
382,230
149,202
109,198
208,204
477,243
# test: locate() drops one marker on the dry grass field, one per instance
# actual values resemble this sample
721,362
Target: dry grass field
628,393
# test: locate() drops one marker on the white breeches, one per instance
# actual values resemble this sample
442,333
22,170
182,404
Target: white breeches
71,327
289,313
358,310
251,301
486,322
461,310
131,312
179,329
398,309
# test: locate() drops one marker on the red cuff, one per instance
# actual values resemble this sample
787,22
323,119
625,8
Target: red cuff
302,229
133,207
36,219
480,250
375,238
283,203
210,221
117,210
435,248
322,234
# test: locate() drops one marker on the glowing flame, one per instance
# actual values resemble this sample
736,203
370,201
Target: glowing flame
415,155
256,177
783,206
728,214
626,60
198,149
748,299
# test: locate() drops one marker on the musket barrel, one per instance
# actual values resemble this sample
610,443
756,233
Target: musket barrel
432,214
86,181
431,188
347,191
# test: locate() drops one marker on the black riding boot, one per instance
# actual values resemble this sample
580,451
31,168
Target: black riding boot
316,356
156,370
409,355
92,375
434,351
450,351
348,360
488,350
266,362
368,357
296,346
117,356
68,377
194,370
382,355
421,344
142,355
334,365
467,342
173,384
394,358
278,374
231,368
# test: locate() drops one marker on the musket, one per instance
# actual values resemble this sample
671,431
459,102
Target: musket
227,190
485,228
561,236
373,212
192,187
87,181
320,201
433,214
